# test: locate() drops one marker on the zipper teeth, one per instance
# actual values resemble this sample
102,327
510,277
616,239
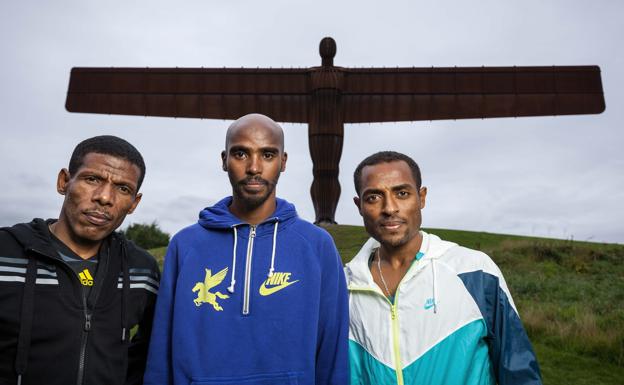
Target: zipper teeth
83,354
87,328
395,340
85,334
252,235
394,319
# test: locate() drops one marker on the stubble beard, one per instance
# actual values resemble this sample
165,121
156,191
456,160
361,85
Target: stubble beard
249,201
391,241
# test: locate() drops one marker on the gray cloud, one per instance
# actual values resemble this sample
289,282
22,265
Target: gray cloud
546,176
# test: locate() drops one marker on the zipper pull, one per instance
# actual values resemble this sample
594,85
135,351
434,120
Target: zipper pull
87,325
252,231
393,312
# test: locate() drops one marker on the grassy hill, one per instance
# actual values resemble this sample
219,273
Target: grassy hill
570,296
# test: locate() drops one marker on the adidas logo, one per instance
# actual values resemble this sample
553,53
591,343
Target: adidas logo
85,278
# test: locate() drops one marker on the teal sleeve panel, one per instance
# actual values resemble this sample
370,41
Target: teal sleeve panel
511,353
365,369
461,358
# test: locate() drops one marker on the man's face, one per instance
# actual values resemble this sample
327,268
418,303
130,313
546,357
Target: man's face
390,203
254,159
98,196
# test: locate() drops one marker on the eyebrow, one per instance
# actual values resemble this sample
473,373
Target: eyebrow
240,147
404,186
118,182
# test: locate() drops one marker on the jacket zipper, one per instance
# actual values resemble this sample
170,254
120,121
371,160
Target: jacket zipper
394,317
83,340
394,320
246,299
396,338
87,313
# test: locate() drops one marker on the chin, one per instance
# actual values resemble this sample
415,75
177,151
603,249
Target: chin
94,235
393,240
254,201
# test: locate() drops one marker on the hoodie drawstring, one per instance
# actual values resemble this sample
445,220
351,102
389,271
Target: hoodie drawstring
272,268
232,280
26,318
125,293
435,288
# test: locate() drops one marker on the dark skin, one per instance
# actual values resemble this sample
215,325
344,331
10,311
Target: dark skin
390,203
97,199
254,157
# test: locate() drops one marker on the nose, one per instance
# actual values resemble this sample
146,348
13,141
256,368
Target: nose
254,166
104,194
390,206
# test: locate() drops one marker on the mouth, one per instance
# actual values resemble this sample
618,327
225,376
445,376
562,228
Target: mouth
97,218
391,225
253,184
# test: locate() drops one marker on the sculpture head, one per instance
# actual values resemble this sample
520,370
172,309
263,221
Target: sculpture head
327,49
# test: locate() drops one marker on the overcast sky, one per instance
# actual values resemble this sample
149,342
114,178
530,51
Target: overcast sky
553,176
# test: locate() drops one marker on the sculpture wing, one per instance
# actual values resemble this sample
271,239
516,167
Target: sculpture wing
408,94
211,93
213,280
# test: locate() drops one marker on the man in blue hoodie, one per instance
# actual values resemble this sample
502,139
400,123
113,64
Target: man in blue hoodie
251,294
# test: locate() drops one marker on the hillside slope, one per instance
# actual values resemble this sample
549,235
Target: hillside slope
570,296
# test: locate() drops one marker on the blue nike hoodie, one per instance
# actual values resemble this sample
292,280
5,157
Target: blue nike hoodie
252,305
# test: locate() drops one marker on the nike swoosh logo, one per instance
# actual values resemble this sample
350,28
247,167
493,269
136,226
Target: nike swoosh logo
270,290
428,306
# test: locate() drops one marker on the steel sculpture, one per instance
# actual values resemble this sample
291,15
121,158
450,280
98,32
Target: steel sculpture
327,97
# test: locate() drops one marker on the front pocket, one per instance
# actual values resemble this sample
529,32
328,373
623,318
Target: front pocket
280,378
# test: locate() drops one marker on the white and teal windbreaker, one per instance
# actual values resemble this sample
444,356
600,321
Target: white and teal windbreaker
453,321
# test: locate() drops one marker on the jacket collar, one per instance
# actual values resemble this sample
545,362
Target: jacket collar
358,272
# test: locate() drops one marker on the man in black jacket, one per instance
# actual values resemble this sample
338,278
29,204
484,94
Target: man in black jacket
71,289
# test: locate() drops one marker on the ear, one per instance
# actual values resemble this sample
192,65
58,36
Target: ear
284,159
224,160
137,199
62,180
357,201
422,194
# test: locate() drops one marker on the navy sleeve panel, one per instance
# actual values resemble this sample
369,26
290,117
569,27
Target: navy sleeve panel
511,353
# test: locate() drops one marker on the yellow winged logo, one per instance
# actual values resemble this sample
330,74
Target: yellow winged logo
203,289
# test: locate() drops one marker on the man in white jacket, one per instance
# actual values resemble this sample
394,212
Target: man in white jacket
423,310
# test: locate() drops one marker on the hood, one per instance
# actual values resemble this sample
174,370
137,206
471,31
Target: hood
359,276
358,272
220,217
34,235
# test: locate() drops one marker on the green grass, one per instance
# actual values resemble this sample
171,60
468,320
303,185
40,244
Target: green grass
570,296
560,367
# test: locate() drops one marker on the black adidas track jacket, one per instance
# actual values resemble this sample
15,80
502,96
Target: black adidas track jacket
51,334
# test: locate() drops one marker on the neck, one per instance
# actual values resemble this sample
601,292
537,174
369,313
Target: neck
253,216
84,250
399,256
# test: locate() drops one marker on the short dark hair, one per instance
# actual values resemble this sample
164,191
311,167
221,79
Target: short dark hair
107,145
385,157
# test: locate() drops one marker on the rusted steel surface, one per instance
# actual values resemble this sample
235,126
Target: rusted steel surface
409,94
365,95
190,92
328,96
